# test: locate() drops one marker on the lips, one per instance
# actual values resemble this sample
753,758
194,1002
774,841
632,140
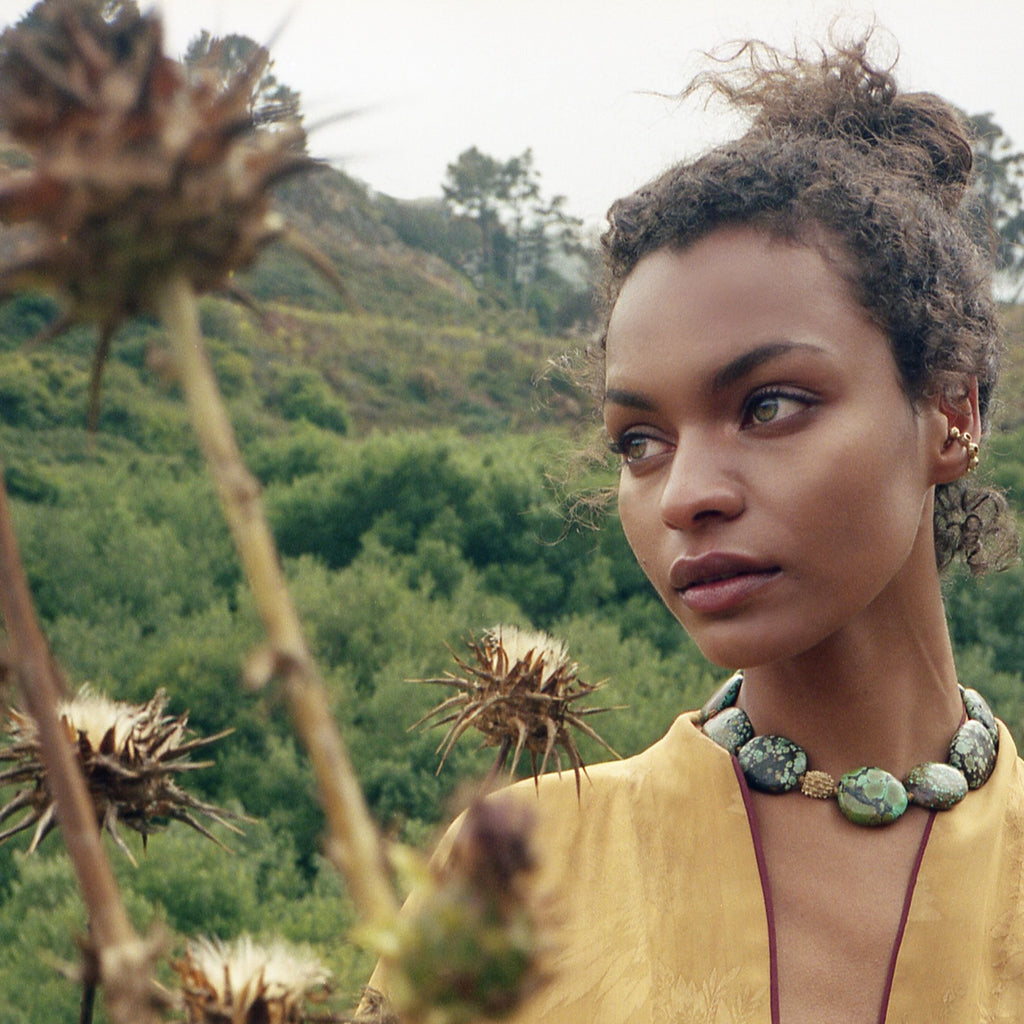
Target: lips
719,582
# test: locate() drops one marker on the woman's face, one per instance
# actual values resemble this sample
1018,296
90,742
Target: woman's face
776,483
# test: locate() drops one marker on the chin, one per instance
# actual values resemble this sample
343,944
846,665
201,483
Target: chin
734,645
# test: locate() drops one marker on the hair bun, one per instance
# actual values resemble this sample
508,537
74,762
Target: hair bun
842,95
938,131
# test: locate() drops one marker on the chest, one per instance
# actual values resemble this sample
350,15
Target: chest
838,895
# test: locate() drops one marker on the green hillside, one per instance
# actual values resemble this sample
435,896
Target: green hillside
1009,412
404,450
412,440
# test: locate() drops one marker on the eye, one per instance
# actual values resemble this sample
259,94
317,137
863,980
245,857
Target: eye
773,405
634,447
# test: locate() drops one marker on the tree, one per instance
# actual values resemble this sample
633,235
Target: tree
273,103
1000,185
554,233
520,231
475,188
521,188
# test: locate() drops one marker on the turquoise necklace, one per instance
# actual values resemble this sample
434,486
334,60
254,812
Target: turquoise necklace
866,796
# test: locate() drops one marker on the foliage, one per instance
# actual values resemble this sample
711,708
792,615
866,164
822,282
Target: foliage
428,225
500,229
336,370
272,102
303,394
1000,184
401,540
189,885
135,580
1008,413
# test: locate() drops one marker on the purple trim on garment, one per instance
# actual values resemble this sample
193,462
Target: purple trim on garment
903,918
769,909
766,889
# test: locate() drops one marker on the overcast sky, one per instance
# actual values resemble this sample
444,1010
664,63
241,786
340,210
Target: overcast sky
569,78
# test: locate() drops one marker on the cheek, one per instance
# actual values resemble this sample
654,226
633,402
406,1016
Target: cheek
633,519
866,512
641,525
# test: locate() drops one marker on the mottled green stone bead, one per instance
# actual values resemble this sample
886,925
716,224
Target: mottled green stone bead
973,751
730,729
978,710
772,764
871,796
724,697
935,786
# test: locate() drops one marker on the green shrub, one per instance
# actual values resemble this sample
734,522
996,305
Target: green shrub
301,394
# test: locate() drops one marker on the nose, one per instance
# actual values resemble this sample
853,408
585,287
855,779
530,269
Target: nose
700,488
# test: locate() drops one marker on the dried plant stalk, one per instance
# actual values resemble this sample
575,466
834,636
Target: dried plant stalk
474,944
121,959
147,186
353,844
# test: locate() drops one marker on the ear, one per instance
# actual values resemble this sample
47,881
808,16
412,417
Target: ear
958,419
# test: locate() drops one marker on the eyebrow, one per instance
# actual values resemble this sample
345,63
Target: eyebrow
733,371
628,399
748,362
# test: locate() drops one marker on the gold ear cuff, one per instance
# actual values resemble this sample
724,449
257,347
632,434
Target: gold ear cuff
968,445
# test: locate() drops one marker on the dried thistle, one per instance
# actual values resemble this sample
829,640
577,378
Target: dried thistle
243,983
128,753
473,946
520,693
148,186
141,170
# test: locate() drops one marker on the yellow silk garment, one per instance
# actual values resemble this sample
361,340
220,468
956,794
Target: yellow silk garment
653,878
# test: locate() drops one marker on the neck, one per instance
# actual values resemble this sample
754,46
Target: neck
882,692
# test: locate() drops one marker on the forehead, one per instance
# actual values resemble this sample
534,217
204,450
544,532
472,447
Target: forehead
732,290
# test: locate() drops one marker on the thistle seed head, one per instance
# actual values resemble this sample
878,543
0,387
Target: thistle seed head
129,754
244,983
520,691
511,649
140,171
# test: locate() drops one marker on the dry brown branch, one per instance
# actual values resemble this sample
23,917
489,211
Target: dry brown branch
353,842
123,960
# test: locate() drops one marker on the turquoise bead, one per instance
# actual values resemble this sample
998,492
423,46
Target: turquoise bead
724,697
868,796
935,786
730,729
871,796
978,710
772,764
973,751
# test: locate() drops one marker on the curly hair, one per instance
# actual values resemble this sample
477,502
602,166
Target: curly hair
834,144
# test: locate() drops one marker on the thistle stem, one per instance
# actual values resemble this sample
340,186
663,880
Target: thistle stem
87,1004
354,844
122,958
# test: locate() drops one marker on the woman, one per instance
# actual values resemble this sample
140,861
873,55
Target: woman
798,360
